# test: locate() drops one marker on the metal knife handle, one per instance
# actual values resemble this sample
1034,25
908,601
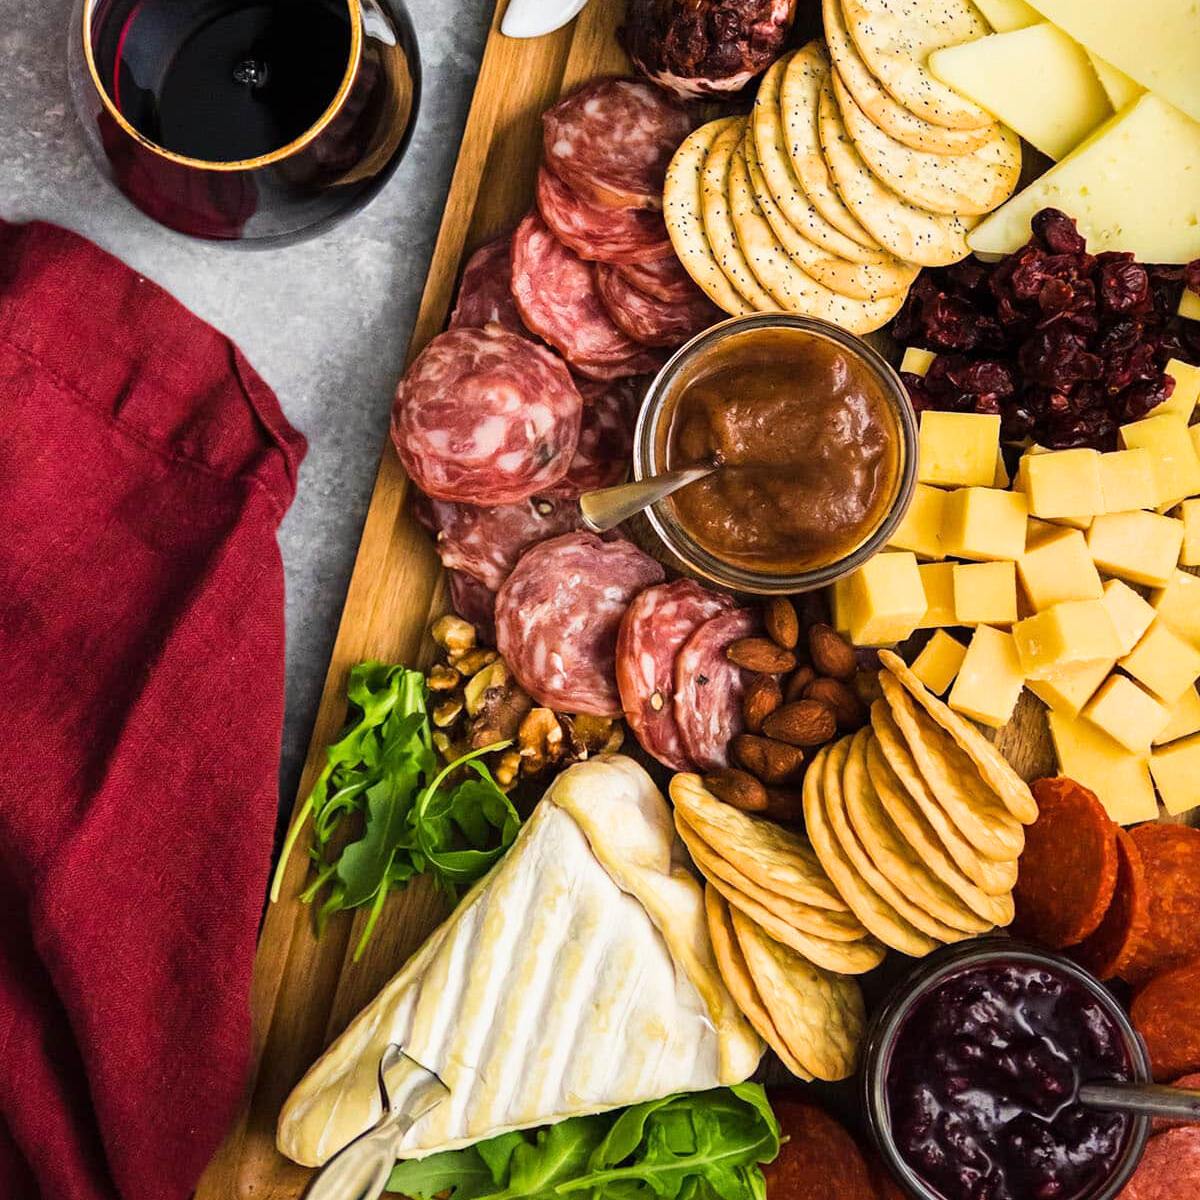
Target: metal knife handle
606,508
1145,1099
361,1170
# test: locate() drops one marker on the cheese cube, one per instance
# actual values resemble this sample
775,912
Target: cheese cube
1127,480
1064,483
1178,605
990,679
840,604
1077,631
1141,547
1184,719
937,665
986,593
1164,662
1176,770
1189,305
921,529
1120,89
1003,15
917,361
1037,532
938,581
1069,690
1058,568
887,600
1194,433
1131,614
958,448
1189,512
1176,465
1000,479
985,524
1126,713
1119,777
1186,395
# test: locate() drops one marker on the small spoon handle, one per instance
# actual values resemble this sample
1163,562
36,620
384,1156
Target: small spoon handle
606,508
1144,1099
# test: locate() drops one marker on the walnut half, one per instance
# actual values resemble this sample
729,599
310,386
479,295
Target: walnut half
540,740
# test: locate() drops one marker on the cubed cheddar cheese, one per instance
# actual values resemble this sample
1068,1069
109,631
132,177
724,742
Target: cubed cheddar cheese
939,662
1126,713
1189,513
984,524
1141,547
1176,771
1058,567
917,361
1069,690
1178,605
1131,614
1119,777
887,600
921,529
990,678
1194,434
1189,305
1186,395
1077,631
985,593
1176,464
1064,484
1127,480
1163,661
840,604
1184,720
958,449
938,581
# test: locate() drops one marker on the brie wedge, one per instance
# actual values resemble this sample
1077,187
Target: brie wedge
577,976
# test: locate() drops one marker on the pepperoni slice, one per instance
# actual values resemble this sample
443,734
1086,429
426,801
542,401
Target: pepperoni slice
1166,1012
556,294
819,1160
606,437
654,628
664,279
1068,869
474,603
1171,857
651,321
558,615
1110,948
598,232
708,688
485,293
1170,1167
486,417
611,140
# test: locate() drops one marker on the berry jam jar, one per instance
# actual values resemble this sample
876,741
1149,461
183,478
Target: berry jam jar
972,1073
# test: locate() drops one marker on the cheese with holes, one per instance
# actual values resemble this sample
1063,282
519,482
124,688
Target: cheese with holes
958,449
1078,631
938,663
1119,777
1176,770
1126,713
1132,185
990,678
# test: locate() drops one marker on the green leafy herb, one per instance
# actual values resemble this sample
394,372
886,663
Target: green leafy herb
381,781
696,1146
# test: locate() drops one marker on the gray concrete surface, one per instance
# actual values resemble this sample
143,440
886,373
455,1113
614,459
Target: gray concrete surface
325,322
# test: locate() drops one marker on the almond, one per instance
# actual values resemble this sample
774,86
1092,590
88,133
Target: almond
766,759
762,697
761,655
737,789
805,722
784,804
797,682
831,654
781,621
848,710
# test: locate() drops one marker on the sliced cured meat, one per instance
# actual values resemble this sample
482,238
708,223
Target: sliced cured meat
611,140
599,232
818,1159
558,615
485,293
655,627
486,542
1110,948
475,603
708,688
649,320
556,294
1166,1012
1169,1169
664,278
605,438
486,417
1171,858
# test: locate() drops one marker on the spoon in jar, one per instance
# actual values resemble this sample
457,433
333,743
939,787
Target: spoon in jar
1143,1099
606,508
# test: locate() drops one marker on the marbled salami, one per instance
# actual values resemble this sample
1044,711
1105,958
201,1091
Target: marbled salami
486,417
649,320
485,293
605,438
653,630
664,278
558,615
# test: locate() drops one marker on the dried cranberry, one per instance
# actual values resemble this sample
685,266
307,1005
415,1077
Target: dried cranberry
951,323
918,394
1057,357
1057,232
1124,287
1139,399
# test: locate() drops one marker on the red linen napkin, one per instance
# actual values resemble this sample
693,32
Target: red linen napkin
144,468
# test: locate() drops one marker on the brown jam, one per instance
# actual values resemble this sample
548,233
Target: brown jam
809,445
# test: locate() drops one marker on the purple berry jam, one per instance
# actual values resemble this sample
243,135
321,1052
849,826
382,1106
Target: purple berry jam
982,1085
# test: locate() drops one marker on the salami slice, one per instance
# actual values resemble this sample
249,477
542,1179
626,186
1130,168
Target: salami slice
611,140
708,688
556,294
475,603
486,542
655,627
664,278
558,615
651,321
1171,858
485,293
1166,1012
594,231
486,417
605,438
1108,950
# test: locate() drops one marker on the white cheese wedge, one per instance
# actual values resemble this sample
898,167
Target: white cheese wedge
577,976
1059,100
1003,15
1120,89
1133,185
1155,42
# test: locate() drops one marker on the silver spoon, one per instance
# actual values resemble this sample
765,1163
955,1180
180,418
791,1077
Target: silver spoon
360,1170
606,508
1143,1099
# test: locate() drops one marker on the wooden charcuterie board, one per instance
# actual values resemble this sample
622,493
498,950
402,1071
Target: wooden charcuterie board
307,990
